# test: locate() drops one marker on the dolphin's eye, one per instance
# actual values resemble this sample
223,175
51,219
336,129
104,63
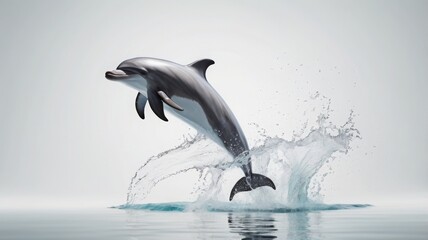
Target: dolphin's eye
140,71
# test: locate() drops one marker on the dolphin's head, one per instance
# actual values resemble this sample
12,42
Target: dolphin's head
133,72
128,70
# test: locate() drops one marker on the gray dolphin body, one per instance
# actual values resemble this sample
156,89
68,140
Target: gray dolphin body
188,95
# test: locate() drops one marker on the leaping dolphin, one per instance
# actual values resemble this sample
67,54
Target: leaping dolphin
188,95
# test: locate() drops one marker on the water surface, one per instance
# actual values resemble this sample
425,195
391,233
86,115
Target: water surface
110,223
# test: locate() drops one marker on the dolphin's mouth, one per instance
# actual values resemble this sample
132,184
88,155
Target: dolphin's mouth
117,75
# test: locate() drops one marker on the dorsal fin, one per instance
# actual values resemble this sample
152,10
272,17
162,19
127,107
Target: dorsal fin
201,66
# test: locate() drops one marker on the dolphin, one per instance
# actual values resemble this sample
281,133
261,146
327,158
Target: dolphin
185,92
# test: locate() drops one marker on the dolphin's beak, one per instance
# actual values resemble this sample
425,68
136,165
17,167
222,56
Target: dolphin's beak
116,75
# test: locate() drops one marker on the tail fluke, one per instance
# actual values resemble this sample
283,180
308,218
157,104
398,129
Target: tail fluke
249,183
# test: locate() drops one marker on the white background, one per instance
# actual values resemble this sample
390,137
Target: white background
69,137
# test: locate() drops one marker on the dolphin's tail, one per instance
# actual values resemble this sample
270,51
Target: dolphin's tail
249,183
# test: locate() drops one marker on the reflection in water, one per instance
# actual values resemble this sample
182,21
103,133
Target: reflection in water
301,225
298,226
252,225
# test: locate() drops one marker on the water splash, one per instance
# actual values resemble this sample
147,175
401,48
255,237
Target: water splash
291,164
234,207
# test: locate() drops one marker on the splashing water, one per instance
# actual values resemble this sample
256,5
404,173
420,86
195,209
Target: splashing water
291,164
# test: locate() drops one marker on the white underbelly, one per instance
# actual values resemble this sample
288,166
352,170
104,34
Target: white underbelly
194,115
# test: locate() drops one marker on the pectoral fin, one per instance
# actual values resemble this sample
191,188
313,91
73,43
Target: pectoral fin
140,103
156,104
168,101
